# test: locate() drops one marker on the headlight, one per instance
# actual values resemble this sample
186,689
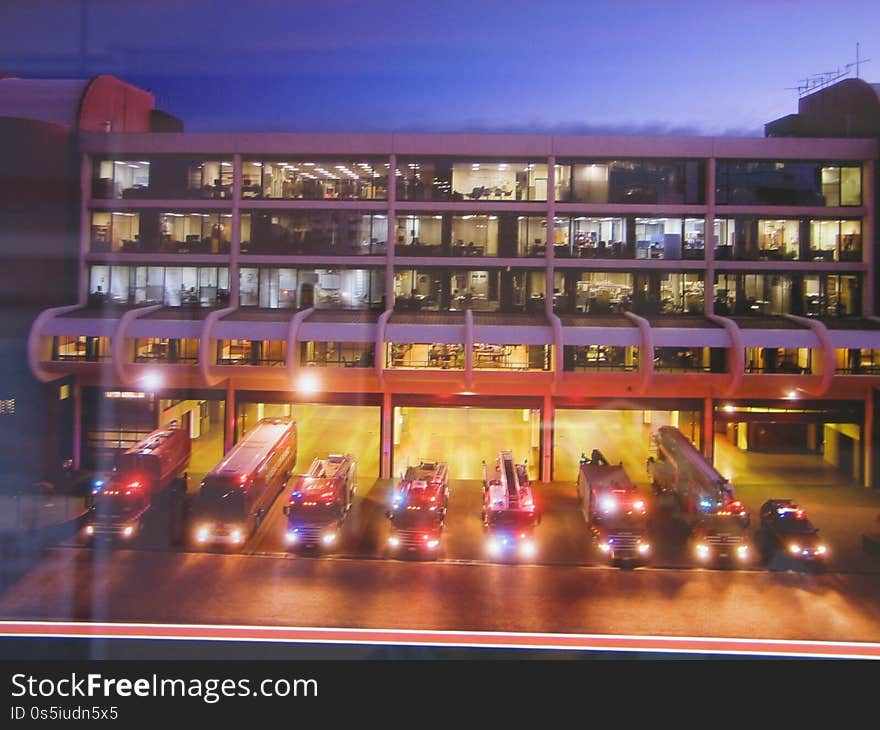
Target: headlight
821,549
90,529
292,536
794,548
742,552
702,551
608,504
605,547
328,538
128,531
644,548
237,535
394,541
494,546
432,544
203,533
528,549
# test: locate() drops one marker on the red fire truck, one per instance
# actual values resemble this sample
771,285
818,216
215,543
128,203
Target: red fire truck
613,508
320,501
152,468
236,495
418,508
509,510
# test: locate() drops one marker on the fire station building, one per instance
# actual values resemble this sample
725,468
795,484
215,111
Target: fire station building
450,295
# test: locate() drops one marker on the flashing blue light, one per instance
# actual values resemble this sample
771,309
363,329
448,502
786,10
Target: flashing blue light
296,495
611,541
705,503
99,483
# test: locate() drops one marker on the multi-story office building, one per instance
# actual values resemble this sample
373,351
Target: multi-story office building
410,285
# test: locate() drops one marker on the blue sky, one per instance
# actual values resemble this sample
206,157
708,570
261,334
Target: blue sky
636,66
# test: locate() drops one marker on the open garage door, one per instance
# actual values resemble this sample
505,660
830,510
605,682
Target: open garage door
789,444
621,435
324,429
466,436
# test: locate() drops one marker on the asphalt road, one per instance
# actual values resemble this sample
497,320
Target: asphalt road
163,586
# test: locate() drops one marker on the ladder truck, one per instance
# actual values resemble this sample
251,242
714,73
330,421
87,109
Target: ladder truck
509,510
614,510
320,501
418,508
699,498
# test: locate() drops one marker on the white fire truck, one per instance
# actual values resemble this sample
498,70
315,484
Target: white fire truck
509,510
699,498
614,510
418,508
320,501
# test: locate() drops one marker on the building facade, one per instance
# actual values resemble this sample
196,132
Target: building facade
722,284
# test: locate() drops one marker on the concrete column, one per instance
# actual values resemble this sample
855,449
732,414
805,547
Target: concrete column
387,436
709,276
709,429
229,429
869,232
868,441
551,233
548,415
235,243
77,424
85,227
391,239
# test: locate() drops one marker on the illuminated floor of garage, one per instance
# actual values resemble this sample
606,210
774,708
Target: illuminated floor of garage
464,438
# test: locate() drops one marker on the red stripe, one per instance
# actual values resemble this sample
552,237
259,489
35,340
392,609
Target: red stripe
449,638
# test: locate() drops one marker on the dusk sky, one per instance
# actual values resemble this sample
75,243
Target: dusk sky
567,66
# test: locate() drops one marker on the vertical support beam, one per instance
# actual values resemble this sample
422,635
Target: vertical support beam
709,429
77,424
869,232
390,240
548,416
235,243
709,243
85,227
551,234
229,420
868,440
387,436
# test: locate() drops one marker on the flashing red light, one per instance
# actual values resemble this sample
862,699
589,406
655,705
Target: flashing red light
242,479
134,485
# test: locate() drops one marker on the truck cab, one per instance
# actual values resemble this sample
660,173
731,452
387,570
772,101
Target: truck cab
418,509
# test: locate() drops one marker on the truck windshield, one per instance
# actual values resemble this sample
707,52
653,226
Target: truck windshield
511,519
117,505
411,518
222,501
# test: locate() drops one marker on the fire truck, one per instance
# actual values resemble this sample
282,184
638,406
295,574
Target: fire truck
509,510
698,498
236,495
152,469
613,508
418,508
320,501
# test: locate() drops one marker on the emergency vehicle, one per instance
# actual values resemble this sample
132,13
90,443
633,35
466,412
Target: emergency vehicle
509,510
235,495
614,510
698,498
418,508
149,470
320,500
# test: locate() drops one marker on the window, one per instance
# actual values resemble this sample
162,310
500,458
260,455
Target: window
787,182
778,360
631,181
327,233
120,178
287,288
836,240
174,286
337,354
689,359
811,295
592,358
84,349
315,179
495,180
116,231
166,350
168,176
261,353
